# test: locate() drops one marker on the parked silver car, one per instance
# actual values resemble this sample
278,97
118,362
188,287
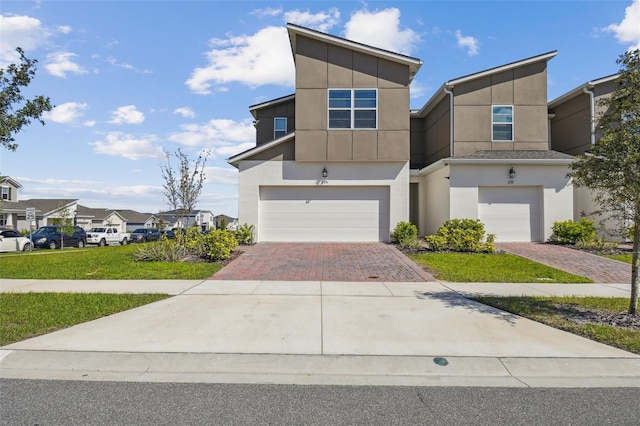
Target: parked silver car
11,240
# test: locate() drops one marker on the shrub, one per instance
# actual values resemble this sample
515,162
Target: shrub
570,232
412,244
404,231
219,244
164,250
244,234
462,235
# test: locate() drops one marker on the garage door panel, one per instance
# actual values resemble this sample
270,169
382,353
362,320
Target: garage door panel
324,214
512,213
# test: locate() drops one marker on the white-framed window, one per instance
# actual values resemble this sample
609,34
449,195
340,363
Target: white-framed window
502,122
279,127
6,193
3,219
353,108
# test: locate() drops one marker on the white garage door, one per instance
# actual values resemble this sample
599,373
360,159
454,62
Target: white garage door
512,213
344,214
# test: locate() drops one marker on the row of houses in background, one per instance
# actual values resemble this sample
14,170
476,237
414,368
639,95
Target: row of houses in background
48,211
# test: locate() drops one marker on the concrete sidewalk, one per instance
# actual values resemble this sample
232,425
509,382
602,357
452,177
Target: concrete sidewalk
322,333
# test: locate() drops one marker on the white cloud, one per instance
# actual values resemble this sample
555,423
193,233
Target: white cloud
127,114
19,31
417,90
221,136
186,112
124,145
321,21
126,66
60,63
266,11
89,123
381,29
65,29
222,175
66,113
628,31
252,60
469,42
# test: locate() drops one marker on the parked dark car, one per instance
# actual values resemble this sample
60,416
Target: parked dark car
142,235
52,237
169,234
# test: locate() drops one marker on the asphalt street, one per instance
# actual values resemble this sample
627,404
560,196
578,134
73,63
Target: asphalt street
41,402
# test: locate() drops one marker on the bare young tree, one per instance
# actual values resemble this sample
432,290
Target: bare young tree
183,186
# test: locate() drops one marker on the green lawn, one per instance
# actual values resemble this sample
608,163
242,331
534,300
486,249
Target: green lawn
621,257
25,315
554,311
479,267
99,263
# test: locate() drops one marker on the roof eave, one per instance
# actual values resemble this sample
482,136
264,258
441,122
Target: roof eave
580,90
235,160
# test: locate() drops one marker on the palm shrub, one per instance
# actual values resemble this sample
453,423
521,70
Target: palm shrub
244,234
462,235
570,232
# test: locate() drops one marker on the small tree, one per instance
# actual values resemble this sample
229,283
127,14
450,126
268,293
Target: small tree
14,111
182,187
65,221
612,168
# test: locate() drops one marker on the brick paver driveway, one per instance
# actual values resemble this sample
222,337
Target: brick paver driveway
323,262
598,268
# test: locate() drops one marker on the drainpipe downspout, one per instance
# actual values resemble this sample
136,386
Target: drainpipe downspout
592,105
448,90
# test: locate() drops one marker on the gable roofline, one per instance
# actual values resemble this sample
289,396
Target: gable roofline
440,93
295,30
235,160
272,102
11,181
580,89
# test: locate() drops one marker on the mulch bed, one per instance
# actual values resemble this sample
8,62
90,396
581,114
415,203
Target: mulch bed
580,315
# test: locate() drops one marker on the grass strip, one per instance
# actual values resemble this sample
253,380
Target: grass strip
98,263
558,311
621,257
481,267
25,315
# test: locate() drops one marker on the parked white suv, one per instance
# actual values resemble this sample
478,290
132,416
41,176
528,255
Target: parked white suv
104,236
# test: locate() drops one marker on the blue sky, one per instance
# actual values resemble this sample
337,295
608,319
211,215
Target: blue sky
132,79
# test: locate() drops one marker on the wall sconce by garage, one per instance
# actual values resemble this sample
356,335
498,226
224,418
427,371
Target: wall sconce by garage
324,172
512,173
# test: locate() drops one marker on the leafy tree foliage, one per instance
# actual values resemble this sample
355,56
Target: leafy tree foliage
612,168
15,112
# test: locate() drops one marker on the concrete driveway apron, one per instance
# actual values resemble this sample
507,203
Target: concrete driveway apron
360,262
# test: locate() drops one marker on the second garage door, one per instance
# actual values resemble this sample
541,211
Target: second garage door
512,213
340,214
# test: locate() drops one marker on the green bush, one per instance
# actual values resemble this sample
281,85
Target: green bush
219,244
404,231
462,235
570,232
244,234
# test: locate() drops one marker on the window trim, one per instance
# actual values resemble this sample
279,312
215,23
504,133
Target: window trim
512,123
275,136
352,108
8,193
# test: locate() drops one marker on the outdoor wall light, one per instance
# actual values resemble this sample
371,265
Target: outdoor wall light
324,172
512,173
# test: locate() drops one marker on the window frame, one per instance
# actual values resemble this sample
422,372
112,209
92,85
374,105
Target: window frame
511,123
352,108
5,190
275,130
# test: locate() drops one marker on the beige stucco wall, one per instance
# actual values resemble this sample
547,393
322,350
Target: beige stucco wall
524,87
320,66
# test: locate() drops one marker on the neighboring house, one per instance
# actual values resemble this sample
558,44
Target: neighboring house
135,220
574,119
203,219
9,206
228,220
344,158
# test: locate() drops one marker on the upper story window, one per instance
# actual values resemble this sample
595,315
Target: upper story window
279,127
502,122
6,193
353,108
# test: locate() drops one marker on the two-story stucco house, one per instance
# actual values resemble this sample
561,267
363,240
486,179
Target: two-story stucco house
345,159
